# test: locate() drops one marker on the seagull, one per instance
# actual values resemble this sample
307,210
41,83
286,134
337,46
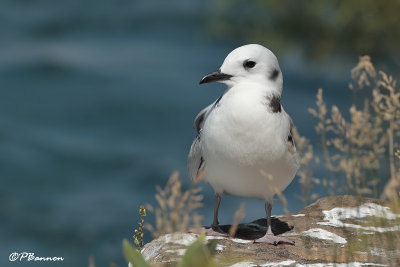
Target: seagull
244,145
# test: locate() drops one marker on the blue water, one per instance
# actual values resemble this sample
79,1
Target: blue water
97,102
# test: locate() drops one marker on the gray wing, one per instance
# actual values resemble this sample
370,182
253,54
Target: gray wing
200,118
196,161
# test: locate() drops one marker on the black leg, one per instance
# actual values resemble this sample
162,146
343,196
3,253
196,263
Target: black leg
217,201
269,236
215,230
268,209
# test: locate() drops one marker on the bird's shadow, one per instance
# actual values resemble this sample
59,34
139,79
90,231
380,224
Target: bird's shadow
258,228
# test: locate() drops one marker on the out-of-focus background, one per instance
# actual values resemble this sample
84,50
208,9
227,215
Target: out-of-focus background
97,101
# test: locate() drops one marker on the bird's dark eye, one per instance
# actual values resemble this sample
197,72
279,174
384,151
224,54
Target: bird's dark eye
248,64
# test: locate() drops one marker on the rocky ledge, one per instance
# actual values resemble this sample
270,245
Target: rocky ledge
334,231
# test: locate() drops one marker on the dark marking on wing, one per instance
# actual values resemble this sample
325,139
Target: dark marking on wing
201,164
198,123
274,74
290,139
275,104
219,99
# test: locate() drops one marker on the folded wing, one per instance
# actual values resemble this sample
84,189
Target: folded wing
196,163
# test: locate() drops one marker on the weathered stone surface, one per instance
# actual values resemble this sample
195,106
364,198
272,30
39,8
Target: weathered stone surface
340,229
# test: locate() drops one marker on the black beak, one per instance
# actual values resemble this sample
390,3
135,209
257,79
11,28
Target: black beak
216,76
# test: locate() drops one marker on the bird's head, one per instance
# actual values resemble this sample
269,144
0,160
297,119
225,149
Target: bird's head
248,63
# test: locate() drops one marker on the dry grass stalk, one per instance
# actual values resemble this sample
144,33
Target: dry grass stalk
275,190
386,103
199,177
91,262
364,73
175,210
392,188
360,146
306,159
239,215
356,147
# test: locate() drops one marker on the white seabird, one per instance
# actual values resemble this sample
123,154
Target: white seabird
244,145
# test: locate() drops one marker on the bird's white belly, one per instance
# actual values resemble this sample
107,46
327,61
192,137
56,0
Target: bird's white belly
261,182
245,156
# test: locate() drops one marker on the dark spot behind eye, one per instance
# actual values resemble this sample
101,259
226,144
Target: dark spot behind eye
248,64
274,74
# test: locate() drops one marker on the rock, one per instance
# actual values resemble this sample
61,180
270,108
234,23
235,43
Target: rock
338,229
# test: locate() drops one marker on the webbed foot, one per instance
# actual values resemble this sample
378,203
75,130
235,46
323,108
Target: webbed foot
274,240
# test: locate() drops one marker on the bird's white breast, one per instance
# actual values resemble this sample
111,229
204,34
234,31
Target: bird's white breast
244,145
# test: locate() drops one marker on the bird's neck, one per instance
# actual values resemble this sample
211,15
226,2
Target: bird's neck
264,88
